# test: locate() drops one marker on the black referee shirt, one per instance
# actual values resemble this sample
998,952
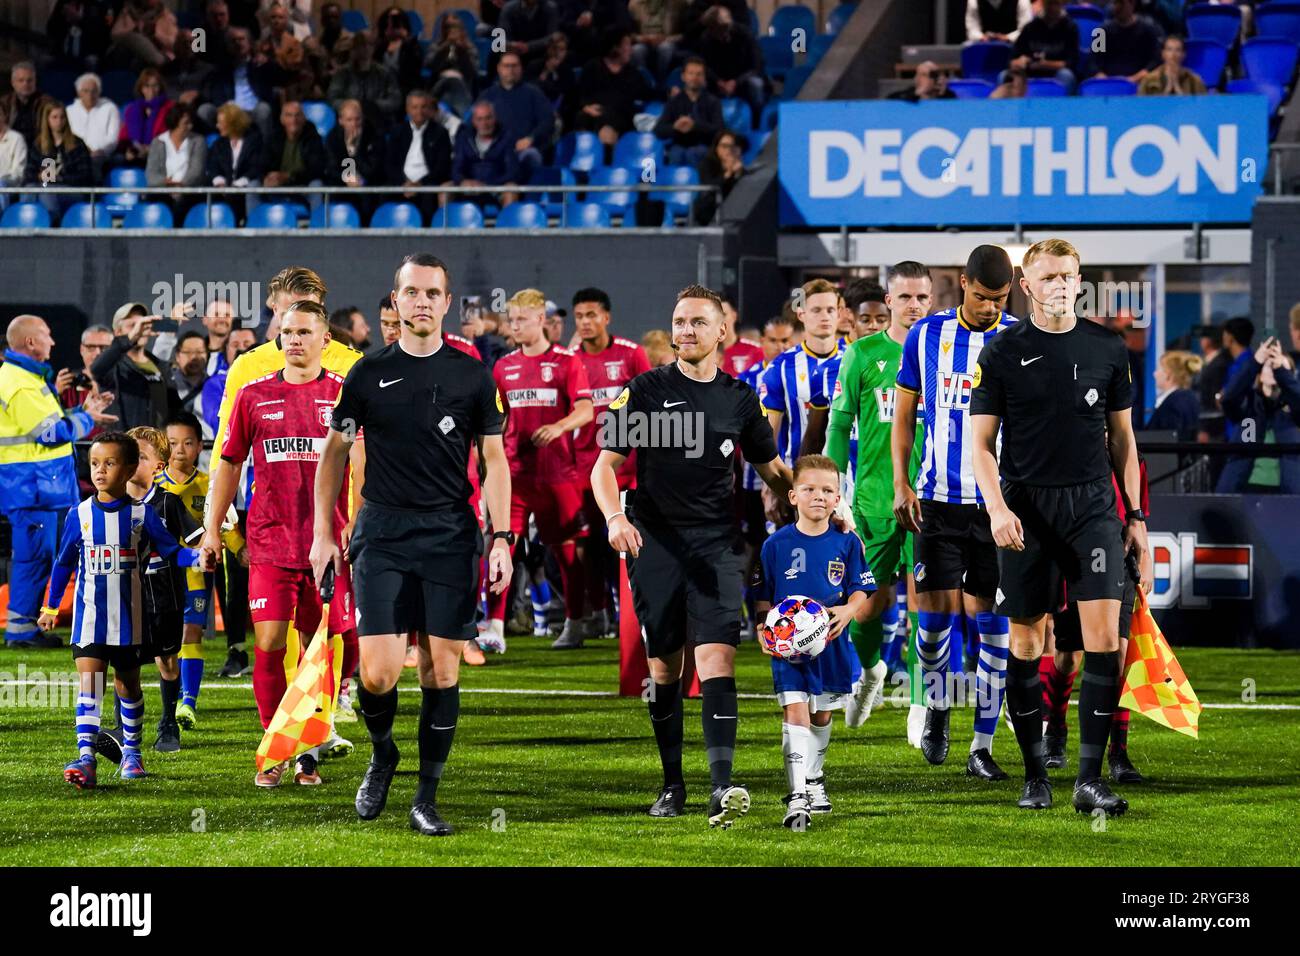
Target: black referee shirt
685,434
1053,391
420,415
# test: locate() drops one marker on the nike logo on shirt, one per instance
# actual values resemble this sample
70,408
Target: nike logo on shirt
672,404
383,384
723,717
1031,361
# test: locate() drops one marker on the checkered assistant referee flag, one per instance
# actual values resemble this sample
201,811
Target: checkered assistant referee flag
302,720
1154,682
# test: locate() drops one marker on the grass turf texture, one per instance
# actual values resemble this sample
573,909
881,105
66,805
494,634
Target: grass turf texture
538,779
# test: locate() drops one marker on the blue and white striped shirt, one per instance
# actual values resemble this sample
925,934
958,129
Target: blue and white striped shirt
753,377
790,384
939,363
106,544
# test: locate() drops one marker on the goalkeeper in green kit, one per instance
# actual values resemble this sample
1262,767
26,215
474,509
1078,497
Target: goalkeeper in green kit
864,394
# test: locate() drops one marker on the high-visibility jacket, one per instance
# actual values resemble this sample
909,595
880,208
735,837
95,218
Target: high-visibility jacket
37,467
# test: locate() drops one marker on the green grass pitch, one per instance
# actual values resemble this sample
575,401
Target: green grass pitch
542,775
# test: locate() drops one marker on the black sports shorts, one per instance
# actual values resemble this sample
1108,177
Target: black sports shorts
1068,630
687,579
122,657
955,550
416,571
753,519
162,634
1072,536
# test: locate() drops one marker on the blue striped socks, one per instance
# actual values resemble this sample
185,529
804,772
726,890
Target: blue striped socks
88,710
132,717
990,676
541,592
933,648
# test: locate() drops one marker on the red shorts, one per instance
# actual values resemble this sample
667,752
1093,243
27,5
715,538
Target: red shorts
289,594
556,508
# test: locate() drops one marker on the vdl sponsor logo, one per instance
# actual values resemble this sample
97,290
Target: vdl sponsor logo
1189,574
880,162
76,909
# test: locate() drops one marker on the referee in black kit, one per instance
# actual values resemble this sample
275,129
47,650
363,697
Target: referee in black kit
416,544
1057,386
685,421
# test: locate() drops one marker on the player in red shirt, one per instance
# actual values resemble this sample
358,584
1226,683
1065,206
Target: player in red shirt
611,362
545,394
738,353
282,419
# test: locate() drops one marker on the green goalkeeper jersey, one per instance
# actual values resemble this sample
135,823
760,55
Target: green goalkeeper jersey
865,390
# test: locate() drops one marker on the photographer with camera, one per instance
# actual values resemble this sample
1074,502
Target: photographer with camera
135,375
74,387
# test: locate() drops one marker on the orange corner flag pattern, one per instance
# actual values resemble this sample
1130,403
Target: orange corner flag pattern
302,720
1154,682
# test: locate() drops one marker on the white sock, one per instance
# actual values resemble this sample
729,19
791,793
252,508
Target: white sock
796,747
821,739
496,627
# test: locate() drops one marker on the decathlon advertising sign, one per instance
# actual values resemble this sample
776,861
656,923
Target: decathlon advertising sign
1053,161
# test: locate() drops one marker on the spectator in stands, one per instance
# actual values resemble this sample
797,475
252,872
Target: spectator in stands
733,56
142,119
375,87
77,33
1294,320
553,75
1262,396
397,48
96,121
143,35
996,20
692,118
359,329
242,82
298,79
23,103
523,112
529,26
185,74
276,29
1177,408
692,19
1171,78
584,22
610,90
489,15
237,158
331,30
190,369
297,15
1048,45
135,376
216,39
1133,44
1014,85
453,64
13,156
218,320
57,157
658,348
178,158
659,31
295,154
1214,368
1237,335
355,149
723,167
95,340
485,156
419,151
930,83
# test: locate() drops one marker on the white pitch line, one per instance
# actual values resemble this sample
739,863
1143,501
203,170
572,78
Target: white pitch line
562,692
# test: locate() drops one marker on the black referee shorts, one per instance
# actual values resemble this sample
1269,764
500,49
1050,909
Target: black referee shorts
416,571
955,550
1072,535
162,634
1068,629
687,579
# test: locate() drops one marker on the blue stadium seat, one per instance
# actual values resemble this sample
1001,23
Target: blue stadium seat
632,148
771,110
1220,22
341,215
736,114
484,45
458,215
817,47
785,20
417,24
679,200
212,138
552,176
1087,18
1269,60
778,58
794,81
321,115
753,22
84,215
124,177
60,84
1206,58
25,215
580,151
756,144
223,217
836,19
1278,18
654,108
1039,86
149,215
467,17
355,21
119,86
970,89
522,215
1108,86
397,215
1273,93
984,61
585,215
616,201
273,215
674,79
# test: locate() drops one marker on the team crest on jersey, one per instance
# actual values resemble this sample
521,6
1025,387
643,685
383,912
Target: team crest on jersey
617,403
918,572
325,414
614,369
200,604
548,373
835,573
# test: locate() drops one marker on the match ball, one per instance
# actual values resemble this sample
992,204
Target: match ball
798,626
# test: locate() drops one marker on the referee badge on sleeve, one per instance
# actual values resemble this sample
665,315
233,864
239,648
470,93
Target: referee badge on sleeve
619,402
979,376
500,407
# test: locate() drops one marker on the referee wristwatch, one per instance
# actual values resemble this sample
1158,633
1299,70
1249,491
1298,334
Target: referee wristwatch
509,537
1135,514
